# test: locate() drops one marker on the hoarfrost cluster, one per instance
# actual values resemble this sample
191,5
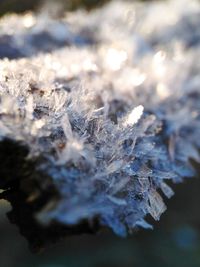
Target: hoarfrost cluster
109,101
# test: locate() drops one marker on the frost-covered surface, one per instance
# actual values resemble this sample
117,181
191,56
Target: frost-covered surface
111,102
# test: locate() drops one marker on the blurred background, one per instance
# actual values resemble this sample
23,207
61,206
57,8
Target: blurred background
174,242
24,5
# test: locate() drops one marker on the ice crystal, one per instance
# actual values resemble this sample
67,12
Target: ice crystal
111,103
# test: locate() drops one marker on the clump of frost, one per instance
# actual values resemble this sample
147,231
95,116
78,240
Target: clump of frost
112,106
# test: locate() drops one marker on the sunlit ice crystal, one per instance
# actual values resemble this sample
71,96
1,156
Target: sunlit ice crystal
134,115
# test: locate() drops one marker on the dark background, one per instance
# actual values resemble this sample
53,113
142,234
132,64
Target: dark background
23,5
174,242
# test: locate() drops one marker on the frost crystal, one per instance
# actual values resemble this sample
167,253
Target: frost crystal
107,105
134,116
